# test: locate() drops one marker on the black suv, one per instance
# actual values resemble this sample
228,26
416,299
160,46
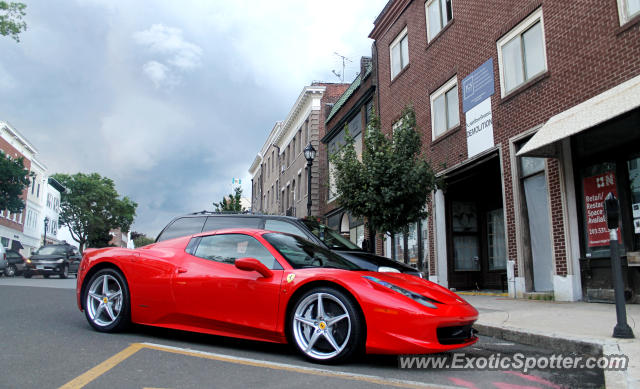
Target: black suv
309,229
56,259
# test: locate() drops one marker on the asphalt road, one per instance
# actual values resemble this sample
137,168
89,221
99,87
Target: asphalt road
47,343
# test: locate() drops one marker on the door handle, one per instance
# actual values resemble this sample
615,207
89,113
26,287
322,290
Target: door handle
181,270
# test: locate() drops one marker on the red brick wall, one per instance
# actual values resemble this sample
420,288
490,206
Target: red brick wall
587,53
14,153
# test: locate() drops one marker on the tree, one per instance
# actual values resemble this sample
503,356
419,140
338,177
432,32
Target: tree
11,23
232,203
14,179
140,239
391,185
91,207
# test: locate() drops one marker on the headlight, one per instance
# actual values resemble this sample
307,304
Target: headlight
387,269
60,260
427,302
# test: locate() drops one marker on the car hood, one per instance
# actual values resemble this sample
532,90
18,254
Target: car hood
52,257
420,286
377,260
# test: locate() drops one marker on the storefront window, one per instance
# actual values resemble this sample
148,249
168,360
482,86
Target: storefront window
356,234
398,242
633,166
424,229
598,181
412,243
495,240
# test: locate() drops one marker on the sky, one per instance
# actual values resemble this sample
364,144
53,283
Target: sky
170,99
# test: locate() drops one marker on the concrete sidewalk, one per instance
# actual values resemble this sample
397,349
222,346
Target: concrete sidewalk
579,327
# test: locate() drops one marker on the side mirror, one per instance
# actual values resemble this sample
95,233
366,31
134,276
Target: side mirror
252,264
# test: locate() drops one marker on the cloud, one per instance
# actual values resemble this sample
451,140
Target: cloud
169,44
157,73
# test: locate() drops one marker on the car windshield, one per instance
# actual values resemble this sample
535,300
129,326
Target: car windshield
329,236
51,250
300,253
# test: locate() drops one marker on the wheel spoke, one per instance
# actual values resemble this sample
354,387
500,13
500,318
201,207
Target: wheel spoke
110,312
95,296
99,310
331,340
115,295
306,321
336,319
105,286
320,307
312,341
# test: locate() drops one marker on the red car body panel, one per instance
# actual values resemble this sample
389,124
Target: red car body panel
171,288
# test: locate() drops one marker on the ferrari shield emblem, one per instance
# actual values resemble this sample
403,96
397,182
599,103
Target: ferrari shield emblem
290,277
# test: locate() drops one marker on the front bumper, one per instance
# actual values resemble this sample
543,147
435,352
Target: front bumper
44,268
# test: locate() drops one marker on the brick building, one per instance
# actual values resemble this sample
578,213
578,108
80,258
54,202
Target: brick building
530,111
279,170
352,110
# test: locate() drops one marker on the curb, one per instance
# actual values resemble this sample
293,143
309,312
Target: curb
612,379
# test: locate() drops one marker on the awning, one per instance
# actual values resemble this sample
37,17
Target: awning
605,106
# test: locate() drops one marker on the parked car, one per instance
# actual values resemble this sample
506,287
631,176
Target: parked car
55,259
15,263
271,286
308,229
3,259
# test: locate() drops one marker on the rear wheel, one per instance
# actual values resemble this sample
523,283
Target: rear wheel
106,301
27,274
10,271
326,326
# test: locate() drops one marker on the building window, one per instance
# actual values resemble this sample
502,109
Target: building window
521,53
445,114
628,9
299,185
399,52
439,14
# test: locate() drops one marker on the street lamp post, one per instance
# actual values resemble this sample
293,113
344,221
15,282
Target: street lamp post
612,214
310,155
46,224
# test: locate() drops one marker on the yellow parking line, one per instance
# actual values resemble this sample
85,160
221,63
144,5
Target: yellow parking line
102,368
110,363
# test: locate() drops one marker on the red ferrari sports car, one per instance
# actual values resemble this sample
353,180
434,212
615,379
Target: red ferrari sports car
273,287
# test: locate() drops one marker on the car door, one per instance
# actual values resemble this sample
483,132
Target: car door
211,293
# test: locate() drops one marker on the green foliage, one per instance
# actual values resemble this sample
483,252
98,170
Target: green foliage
392,183
91,207
140,239
11,23
231,203
14,178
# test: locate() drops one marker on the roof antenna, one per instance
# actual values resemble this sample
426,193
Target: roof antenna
344,59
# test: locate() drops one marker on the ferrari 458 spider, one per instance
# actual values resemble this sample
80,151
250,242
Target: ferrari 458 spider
274,287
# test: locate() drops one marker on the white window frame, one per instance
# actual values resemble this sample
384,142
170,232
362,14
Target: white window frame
399,38
426,14
623,12
523,26
439,92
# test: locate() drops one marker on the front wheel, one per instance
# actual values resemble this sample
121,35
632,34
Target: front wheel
27,274
106,301
326,326
65,272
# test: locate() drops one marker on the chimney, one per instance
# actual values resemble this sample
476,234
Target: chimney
365,63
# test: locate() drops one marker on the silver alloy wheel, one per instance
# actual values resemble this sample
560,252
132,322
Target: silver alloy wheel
10,271
104,300
321,326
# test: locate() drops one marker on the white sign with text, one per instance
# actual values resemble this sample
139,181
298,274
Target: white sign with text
479,128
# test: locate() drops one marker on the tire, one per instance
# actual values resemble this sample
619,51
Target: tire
106,304
45,275
331,335
10,271
65,272
27,274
